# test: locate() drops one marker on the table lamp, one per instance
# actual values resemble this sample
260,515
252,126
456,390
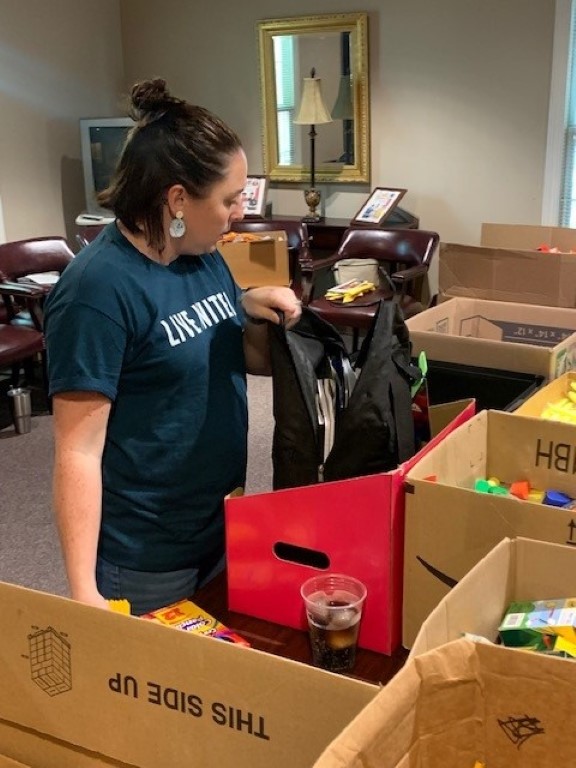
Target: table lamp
312,112
343,109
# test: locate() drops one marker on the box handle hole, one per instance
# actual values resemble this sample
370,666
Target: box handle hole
301,555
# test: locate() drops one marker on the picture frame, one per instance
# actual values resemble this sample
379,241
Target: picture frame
379,205
254,197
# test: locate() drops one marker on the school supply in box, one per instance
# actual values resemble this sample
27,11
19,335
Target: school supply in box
547,626
349,290
450,526
188,616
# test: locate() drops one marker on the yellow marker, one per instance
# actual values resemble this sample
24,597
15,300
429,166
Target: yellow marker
535,495
493,481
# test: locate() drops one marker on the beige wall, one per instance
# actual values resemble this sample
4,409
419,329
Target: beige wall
59,60
459,98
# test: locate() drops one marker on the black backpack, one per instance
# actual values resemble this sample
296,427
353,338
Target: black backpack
364,402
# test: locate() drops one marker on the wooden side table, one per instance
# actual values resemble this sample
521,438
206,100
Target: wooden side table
326,235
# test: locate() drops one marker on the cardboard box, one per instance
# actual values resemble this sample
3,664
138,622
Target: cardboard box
6,762
507,266
552,392
450,526
82,687
515,570
497,334
528,237
461,703
275,541
260,262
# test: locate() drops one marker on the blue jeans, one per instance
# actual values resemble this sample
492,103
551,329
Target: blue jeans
146,591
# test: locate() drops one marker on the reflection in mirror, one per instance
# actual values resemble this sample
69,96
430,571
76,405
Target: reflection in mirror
336,47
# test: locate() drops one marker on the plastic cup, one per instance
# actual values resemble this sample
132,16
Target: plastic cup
333,605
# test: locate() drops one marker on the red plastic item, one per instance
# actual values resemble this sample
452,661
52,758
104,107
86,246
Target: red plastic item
355,527
520,489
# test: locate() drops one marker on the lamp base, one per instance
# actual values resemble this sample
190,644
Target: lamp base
312,197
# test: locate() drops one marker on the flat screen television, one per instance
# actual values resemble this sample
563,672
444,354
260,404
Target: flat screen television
101,142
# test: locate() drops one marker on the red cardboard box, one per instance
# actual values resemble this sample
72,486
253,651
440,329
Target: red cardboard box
275,541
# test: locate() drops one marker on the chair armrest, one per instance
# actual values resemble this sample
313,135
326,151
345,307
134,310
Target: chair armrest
404,276
315,265
308,267
23,290
19,296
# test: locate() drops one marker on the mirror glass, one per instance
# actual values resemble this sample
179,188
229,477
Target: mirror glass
335,46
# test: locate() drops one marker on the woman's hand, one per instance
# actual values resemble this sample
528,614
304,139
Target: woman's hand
91,597
267,302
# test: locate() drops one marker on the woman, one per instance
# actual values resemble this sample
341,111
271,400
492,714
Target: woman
149,340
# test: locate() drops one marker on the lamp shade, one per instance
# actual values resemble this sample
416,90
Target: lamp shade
343,108
312,110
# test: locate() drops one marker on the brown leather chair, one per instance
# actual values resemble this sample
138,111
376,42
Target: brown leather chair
21,328
298,243
24,257
403,257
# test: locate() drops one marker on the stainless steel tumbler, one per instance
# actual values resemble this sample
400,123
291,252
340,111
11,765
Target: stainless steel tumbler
21,409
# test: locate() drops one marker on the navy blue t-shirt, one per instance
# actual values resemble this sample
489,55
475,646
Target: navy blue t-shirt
164,343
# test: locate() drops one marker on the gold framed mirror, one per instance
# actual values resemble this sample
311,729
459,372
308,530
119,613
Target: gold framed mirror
336,47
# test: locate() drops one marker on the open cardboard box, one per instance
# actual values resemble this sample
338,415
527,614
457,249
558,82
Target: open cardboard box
553,392
465,702
528,237
83,687
450,526
508,267
276,540
259,262
515,570
497,334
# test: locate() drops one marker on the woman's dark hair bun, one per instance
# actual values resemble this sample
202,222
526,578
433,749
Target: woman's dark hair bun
151,97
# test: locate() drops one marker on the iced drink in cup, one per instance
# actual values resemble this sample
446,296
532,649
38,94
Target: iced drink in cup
333,605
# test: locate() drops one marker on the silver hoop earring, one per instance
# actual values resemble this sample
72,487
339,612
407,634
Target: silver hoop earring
177,225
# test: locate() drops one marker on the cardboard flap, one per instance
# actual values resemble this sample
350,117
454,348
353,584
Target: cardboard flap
516,569
465,609
148,695
463,703
528,236
6,762
492,273
444,418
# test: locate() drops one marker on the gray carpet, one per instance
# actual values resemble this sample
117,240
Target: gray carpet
29,548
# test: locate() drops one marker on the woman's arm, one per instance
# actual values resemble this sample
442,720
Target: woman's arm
261,304
80,420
